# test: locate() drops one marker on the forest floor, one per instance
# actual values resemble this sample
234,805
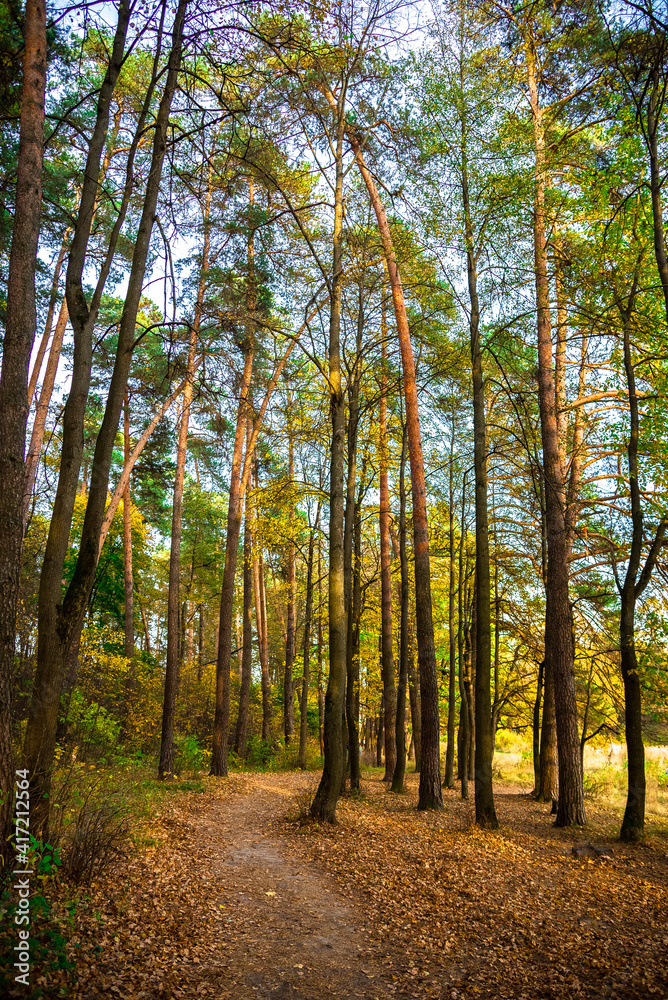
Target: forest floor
239,899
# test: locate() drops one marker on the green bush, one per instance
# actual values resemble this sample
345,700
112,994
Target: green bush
51,923
190,756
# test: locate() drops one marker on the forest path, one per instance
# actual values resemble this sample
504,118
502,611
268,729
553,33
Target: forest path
231,899
288,934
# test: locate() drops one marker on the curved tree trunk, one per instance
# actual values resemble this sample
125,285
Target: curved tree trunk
633,824
430,796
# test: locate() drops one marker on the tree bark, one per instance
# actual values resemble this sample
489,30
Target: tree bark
326,797
321,695
291,625
416,720
308,615
633,823
400,738
166,762
128,579
558,625
222,711
536,728
19,333
241,734
484,746
387,639
260,622
350,554
380,733
452,633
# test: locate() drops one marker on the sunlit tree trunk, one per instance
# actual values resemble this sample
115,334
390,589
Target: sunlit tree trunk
234,512
449,781
308,614
387,639
558,627
291,624
166,763
326,797
404,639
484,747
241,734
349,551
263,652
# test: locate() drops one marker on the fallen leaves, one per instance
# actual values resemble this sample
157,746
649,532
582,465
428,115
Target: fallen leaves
477,914
423,906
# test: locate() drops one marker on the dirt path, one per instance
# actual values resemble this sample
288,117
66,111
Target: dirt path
233,901
289,934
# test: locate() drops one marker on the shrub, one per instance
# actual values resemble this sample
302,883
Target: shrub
98,837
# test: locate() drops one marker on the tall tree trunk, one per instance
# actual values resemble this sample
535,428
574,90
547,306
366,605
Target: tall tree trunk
416,718
234,513
633,824
324,803
548,789
452,633
260,616
387,639
321,694
20,324
308,615
471,693
558,625
400,738
291,625
166,762
128,579
485,813
350,568
241,735
536,728
61,620
430,796
380,733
